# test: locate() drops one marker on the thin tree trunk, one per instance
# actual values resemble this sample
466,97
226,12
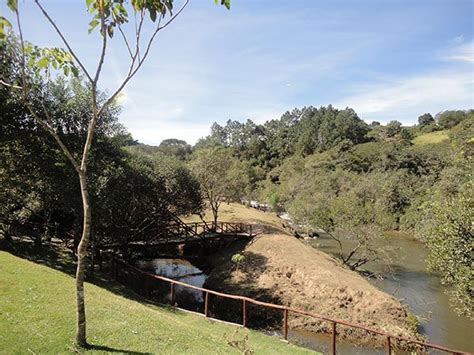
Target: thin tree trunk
214,213
82,263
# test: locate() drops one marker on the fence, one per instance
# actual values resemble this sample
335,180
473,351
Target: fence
119,265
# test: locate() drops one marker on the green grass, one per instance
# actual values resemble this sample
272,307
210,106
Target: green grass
37,316
431,138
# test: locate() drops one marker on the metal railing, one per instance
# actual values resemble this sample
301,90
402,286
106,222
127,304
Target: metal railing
118,264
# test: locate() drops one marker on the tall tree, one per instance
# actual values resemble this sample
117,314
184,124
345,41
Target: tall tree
222,177
109,16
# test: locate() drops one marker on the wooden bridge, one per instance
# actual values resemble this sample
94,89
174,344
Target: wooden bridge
185,232
180,238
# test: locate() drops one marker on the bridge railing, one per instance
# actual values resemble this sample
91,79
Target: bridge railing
120,269
201,228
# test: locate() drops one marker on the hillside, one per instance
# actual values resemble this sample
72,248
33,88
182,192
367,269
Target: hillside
37,316
280,268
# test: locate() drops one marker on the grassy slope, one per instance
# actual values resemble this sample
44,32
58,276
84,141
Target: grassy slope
37,315
236,212
431,138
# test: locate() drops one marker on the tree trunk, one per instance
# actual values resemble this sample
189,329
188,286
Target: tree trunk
214,213
82,262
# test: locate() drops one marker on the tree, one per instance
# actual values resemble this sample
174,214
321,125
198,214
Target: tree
175,147
221,176
451,244
425,119
109,16
406,134
449,119
393,128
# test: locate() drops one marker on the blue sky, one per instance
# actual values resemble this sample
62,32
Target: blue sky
388,60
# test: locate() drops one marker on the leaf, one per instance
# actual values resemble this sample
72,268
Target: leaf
4,23
89,3
93,24
66,70
153,15
226,3
110,30
12,4
75,71
43,62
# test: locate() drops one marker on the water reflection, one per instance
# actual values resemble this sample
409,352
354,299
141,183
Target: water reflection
177,269
407,279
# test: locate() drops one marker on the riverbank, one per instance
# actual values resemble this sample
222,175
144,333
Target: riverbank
278,266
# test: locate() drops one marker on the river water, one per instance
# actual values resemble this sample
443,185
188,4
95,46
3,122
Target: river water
407,279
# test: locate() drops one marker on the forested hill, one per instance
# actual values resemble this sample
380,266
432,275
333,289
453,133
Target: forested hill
330,169
311,158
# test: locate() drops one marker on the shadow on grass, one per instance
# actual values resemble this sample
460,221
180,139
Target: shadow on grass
55,256
113,350
52,254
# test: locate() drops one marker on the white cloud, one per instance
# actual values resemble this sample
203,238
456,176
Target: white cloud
463,53
406,98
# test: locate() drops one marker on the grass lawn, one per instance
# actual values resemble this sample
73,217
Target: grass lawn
431,138
37,316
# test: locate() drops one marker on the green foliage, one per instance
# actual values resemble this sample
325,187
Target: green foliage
449,119
38,185
451,243
221,176
393,128
238,259
425,119
406,134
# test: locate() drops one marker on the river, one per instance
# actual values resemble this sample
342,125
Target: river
410,282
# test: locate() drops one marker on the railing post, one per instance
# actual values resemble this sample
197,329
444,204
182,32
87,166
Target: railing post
389,346
250,230
285,324
333,339
206,305
244,313
172,294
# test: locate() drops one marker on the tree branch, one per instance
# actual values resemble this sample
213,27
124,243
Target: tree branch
66,43
104,46
28,105
175,15
132,71
13,86
126,41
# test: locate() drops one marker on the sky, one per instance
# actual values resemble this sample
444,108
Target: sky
388,60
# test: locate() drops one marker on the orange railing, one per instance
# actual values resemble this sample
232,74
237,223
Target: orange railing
119,265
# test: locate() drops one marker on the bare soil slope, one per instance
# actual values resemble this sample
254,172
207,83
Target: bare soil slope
280,267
